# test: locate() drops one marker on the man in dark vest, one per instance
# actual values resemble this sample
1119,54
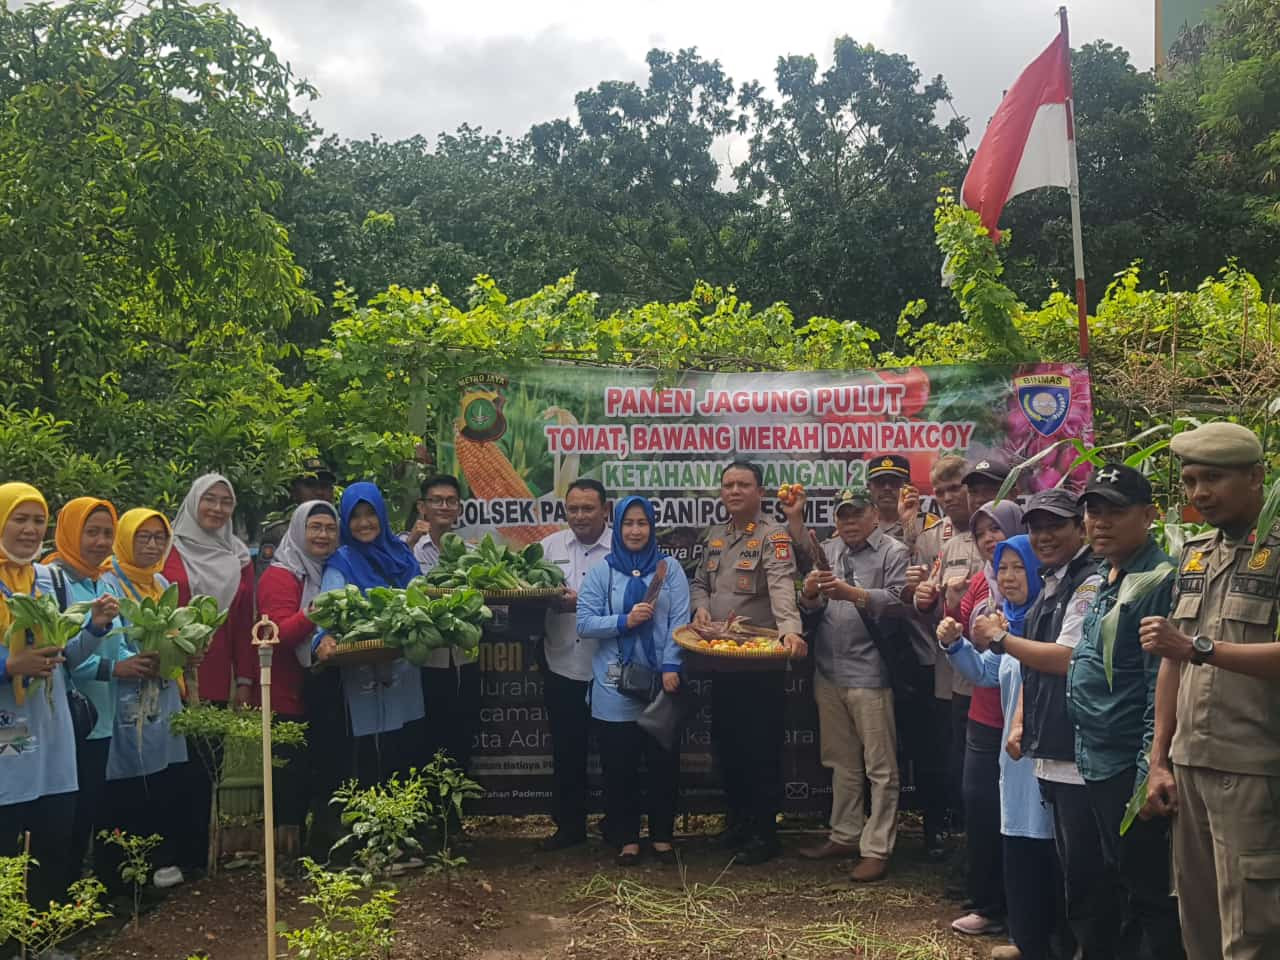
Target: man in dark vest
1055,522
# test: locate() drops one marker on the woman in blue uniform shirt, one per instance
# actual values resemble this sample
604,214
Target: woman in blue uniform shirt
612,611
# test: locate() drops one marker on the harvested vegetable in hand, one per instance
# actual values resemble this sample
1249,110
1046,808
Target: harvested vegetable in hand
49,627
491,566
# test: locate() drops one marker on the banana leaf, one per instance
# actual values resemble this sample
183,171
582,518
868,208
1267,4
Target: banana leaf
1133,588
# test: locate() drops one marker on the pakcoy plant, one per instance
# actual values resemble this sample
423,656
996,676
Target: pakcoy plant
39,621
409,619
492,566
174,632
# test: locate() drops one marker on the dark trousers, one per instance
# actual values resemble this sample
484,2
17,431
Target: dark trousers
91,775
747,735
48,819
629,792
143,806
567,709
452,697
194,788
291,782
954,760
986,886
330,753
1092,888
1033,885
1141,860
924,724
379,756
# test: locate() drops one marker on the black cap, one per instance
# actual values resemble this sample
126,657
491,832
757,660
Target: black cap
315,468
1059,502
991,469
888,465
1118,484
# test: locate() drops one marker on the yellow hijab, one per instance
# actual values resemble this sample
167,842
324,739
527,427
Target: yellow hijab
142,579
18,575
70,531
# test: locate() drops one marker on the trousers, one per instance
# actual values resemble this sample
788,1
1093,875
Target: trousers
747,710
567,710
628,792
985,880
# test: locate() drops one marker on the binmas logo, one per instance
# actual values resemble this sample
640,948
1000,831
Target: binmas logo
1045,400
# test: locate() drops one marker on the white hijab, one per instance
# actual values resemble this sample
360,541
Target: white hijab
213,561
292,554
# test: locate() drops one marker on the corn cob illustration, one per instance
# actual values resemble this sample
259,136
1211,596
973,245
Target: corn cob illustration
490,475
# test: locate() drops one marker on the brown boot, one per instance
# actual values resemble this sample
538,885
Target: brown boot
869,870
829,850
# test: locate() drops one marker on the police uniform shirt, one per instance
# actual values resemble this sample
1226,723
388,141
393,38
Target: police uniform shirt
1227,721
749,572
927,536
843,649
959,557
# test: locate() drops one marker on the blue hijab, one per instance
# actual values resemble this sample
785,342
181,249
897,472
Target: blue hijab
387,561
635,566
1016,614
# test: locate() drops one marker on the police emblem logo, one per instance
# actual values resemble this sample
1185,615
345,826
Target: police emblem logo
1259,560
753,544
887,462
1195,562
782,550
716,544
1045,401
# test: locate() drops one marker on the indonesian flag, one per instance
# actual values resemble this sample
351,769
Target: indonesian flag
1026,144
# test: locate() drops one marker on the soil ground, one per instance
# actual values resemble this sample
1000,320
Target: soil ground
512,903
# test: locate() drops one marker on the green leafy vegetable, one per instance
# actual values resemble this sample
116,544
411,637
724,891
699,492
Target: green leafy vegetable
492,566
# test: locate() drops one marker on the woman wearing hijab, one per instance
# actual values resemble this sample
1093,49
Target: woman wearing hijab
384,701
209,559
285,593
147,765
82,540
990,524
37,740
613,610
1032,878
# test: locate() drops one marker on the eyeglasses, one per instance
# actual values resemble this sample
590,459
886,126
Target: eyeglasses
329,528
226,503
442,501
145,538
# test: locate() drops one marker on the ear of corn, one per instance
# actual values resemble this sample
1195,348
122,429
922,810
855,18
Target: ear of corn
491,476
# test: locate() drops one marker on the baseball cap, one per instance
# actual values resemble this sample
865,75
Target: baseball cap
852,497
1059,502
1118,484
991,469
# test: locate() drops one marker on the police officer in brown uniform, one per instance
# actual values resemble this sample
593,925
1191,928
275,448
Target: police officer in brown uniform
1215,759
748,568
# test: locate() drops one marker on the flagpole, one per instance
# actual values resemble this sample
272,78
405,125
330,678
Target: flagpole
1073,188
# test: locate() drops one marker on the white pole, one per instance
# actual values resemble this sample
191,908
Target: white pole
265,636
1073,188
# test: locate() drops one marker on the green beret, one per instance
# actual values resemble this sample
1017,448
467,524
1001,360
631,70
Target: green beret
1218,444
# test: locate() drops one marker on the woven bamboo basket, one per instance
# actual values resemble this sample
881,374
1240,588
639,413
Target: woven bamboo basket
688,638
529,595
364,652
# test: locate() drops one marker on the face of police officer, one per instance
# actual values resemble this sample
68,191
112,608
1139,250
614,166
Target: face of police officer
1055,539
855,523
1230,498
884,493
953,497
741,492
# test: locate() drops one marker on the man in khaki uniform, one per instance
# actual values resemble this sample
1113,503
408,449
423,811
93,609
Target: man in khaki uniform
1215,758
748,568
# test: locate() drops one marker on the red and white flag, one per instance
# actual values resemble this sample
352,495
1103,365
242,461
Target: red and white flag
1027,141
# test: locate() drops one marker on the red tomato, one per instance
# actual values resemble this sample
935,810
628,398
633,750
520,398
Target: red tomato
916,382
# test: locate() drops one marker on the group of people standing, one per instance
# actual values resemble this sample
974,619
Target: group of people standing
1032,660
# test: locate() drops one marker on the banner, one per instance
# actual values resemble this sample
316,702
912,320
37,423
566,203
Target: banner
517,441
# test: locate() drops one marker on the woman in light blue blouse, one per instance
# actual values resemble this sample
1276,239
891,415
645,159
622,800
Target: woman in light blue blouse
612,610
384,701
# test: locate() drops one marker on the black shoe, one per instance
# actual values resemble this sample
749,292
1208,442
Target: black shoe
733,836
562,840
664,856
757,850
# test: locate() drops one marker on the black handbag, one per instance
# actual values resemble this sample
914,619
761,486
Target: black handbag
636,680
84,715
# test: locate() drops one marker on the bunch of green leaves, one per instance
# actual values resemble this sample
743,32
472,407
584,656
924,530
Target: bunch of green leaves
162,626
492,566
346,613
449,788
40,930
135,862
419,623
383,821
344,924
50,626
207,722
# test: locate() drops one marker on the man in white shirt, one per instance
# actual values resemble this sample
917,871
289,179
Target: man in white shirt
566,659
1043,729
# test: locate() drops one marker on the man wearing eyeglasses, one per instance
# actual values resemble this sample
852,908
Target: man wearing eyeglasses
450,684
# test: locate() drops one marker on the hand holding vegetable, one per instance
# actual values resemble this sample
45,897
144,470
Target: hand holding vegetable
35,662
141,666
104,610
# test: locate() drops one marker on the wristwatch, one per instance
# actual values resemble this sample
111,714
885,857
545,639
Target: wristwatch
997,644
1201,649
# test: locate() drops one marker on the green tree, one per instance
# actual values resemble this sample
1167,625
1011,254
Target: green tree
844,170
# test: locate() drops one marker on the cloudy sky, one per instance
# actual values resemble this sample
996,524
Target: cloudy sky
400,67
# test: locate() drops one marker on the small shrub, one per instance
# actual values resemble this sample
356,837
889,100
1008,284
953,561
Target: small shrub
345,927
